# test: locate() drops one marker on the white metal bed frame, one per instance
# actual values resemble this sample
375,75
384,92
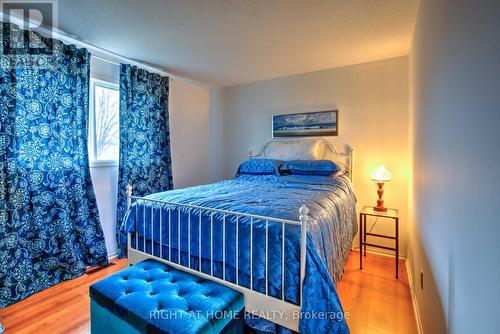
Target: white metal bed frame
277,310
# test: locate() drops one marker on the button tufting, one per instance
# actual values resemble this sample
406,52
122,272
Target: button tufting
186,289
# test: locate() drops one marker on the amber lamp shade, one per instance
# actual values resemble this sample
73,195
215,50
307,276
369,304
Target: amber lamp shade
380,176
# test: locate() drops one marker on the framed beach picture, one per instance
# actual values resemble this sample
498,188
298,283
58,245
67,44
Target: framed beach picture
319,123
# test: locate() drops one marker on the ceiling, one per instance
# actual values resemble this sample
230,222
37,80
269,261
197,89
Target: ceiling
223,43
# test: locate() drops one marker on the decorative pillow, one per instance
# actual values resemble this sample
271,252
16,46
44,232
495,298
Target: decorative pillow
260,166
310,167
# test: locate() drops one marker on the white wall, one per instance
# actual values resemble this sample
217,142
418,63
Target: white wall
189,136
105,180
372,100
217,144
455,138
189,133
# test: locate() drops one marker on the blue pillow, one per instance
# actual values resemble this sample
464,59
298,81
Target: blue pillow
260,166
310,167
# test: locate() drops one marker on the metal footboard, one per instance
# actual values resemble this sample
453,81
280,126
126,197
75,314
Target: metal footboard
262,304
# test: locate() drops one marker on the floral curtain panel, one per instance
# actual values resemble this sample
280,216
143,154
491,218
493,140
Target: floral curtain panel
49,223
145,160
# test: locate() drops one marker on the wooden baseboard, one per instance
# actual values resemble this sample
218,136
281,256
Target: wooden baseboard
414,298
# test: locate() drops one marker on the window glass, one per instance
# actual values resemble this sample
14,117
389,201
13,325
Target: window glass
104,124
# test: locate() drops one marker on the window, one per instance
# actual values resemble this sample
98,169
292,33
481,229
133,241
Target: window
104,125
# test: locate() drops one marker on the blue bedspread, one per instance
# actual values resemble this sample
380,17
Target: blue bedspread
331,228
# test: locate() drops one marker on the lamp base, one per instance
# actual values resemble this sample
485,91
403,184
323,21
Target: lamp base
380,202
380,208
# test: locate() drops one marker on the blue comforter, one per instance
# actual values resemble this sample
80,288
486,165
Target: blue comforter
331,228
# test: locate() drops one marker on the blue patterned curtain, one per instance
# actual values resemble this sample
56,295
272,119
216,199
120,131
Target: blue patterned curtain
49,223
145,160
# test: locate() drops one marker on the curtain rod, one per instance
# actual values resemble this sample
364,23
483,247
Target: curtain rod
101,53
104,59
170,77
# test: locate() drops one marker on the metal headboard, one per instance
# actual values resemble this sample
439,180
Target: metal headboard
331,152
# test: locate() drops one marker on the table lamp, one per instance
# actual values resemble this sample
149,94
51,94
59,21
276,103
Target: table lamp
380,176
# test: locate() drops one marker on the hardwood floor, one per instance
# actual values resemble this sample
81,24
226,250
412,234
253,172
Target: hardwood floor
61,309
376,301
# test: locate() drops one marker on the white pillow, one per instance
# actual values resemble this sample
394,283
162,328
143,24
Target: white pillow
296,150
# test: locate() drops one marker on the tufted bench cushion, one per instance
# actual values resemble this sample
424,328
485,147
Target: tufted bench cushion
152,297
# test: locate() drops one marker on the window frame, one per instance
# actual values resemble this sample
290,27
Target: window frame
92,145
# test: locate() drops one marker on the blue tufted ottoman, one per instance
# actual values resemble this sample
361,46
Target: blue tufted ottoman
152,297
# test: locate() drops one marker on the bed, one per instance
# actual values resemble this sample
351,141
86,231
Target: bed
282,240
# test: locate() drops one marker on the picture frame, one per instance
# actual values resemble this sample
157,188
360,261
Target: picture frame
308,124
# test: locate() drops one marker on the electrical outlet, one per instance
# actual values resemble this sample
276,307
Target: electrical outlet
421,279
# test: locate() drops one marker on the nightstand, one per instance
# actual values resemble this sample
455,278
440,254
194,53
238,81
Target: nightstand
391,214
